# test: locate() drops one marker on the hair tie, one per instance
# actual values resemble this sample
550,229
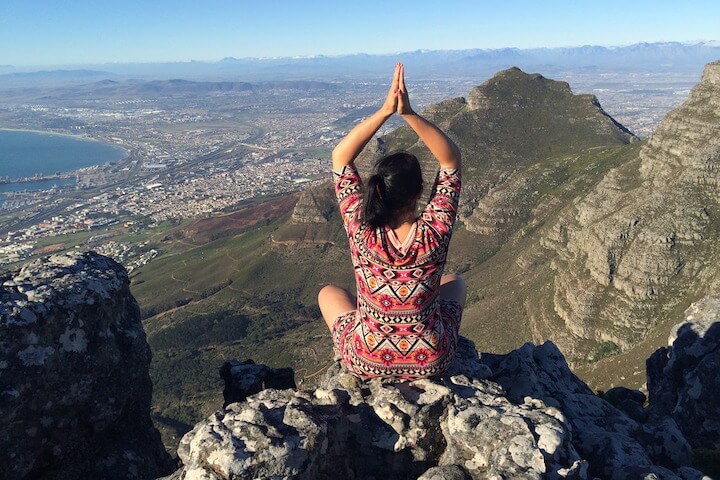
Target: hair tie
377,189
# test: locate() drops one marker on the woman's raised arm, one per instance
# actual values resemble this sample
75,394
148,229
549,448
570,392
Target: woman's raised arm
350,147
442,148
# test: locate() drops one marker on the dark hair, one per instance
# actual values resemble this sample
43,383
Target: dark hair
393,188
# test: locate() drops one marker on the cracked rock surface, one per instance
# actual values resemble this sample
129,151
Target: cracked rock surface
523,415
74,384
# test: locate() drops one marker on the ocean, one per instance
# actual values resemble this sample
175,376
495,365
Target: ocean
26,153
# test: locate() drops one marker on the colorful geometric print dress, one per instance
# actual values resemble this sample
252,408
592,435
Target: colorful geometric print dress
401,328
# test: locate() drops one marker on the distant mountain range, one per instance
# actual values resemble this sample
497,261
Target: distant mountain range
135,88
670,56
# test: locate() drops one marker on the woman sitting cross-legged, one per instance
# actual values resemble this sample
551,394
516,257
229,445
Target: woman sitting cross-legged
404,321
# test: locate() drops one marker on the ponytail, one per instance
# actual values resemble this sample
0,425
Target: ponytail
392,189
376,212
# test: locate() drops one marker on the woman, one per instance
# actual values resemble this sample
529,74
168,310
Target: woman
404,321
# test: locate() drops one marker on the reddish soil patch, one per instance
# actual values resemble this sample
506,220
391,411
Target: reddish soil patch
243,218
49,248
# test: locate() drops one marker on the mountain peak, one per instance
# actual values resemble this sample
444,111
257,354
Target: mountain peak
711,74
515,83
529,115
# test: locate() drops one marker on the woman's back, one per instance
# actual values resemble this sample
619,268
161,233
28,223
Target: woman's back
400,328
404,321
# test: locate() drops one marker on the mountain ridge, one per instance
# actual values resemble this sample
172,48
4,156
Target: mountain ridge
641,245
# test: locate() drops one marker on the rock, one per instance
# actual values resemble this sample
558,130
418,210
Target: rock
630,401
687,473
608,439
523,415
448,472
75,388
683,381
243,379
621,394
348,428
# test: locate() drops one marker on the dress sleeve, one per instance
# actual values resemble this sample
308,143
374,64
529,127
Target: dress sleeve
441,210
348,191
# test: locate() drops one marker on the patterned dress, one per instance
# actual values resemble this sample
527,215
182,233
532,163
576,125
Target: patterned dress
401,328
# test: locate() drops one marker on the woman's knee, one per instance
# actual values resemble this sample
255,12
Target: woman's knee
334,301
450,277
328,292
331,298
324,292
452,286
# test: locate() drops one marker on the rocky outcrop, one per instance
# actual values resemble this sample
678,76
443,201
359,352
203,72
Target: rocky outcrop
74,384
645,239
522,416
615,445
683,380
313,220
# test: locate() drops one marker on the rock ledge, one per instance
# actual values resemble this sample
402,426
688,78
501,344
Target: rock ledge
523,415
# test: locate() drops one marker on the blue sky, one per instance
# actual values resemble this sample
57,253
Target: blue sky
57,32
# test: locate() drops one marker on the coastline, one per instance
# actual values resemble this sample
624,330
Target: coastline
37,184
84,137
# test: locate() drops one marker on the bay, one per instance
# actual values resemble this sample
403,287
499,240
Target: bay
25,153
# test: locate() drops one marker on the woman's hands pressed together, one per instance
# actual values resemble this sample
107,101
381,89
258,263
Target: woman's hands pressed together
443,149
397,101
403,100
391,101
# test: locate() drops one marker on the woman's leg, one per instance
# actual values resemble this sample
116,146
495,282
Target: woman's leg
334,301
453,287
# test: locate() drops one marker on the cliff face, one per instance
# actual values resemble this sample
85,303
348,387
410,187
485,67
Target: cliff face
688,137
74,385
645,241
523,415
